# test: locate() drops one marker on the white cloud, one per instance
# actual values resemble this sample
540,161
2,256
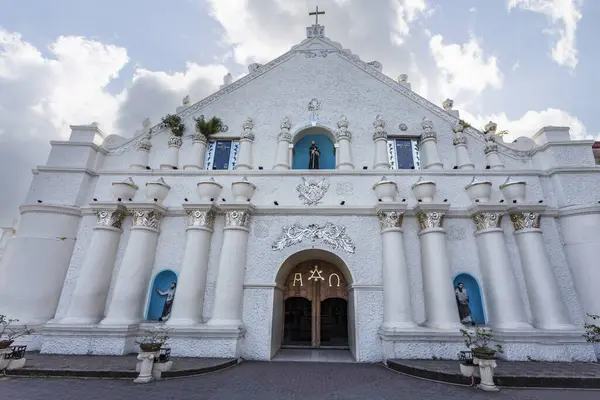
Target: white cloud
406,11
530,123
516,66
564,16
464,67
40,96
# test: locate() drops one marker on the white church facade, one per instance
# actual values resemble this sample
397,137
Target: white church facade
335,208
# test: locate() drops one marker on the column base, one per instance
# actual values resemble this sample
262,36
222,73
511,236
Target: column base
137,166
434,166
227,323
345,166
281,167
183,322
391,327
116,322
466,166
382,166
243,166
75,321
193,167
167,166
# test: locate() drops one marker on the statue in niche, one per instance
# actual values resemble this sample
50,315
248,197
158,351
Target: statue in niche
314,154
462,300
170,293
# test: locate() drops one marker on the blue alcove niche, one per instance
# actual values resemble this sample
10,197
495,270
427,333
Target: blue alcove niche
475,299
323,142
162,281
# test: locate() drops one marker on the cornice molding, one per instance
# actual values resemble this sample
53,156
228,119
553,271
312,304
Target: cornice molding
51,209
572,211
563,143
94,146
69,170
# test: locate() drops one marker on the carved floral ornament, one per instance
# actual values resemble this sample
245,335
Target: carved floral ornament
147,218
333,235
525,220
175,141
237,218
200,218
428,220
285,126
343,131
379,126
429,133
390,219
248,126
110,218
487,220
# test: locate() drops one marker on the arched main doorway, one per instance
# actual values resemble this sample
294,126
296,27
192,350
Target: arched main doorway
315,297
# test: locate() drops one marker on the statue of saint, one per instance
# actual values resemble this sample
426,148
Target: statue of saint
166,313
314,154
462,299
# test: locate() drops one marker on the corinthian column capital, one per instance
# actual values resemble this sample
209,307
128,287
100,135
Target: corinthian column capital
487,220
109,215
147,215
200,217
433,219
526,220
389,219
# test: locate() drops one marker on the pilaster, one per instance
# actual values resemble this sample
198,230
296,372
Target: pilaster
246,139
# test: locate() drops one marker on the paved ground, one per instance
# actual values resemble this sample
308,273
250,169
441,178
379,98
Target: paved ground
277,381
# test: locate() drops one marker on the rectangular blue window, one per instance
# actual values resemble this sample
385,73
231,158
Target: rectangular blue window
222,152
403,153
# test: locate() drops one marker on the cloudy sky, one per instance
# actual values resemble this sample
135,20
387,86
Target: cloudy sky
521,63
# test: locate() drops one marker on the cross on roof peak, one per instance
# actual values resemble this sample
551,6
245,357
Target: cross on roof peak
316,13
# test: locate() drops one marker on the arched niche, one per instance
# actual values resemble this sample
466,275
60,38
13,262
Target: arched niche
162,282
323,138
475,298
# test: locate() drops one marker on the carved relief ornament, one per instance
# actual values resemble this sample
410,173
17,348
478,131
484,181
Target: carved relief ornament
237,218
248,126
525,220
343,131
487,220
147,218
200,218
175,141
390,219
333,235
110,218
311,193
429,133
429,220
379,126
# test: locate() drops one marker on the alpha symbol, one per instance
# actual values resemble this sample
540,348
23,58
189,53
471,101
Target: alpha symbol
316,274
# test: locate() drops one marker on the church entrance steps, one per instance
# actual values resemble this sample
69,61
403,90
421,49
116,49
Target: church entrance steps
75,366
314,355
539,374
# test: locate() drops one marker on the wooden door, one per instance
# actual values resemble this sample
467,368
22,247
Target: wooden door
315,281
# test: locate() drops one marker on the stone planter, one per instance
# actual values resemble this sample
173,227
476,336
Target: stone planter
145,364
243,190
3,352
209,190
479,191
513,190
124,190
150,347
157,190
424,190
468,370
486,371
386,190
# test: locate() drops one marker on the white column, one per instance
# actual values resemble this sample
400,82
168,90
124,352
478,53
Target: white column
505,308
380,136
89,297
126,304
581,237
172,161
244,160
440,303
344,137
189,299
429,151
284,139
397,310
227,308
198,153
459,140
547,307
142,153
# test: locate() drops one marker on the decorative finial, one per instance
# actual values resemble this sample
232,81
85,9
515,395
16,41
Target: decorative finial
379,122
402,78
146,123
186,100
448,104
316,13
343,122
490,127
285,123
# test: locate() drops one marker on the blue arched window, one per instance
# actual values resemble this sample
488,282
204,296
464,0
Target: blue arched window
159,295
475,301
326,148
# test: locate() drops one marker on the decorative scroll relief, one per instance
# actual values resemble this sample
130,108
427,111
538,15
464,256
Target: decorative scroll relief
237,218
457,140
333,235
110,218
390,219
311,193
429,220
487,220
526,220
201,218
147,218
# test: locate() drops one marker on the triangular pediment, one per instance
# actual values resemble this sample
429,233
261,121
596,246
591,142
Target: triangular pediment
317,46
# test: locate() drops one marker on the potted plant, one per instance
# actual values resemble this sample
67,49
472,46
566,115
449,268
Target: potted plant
153,339
209,127
479,342
8,333
174,123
